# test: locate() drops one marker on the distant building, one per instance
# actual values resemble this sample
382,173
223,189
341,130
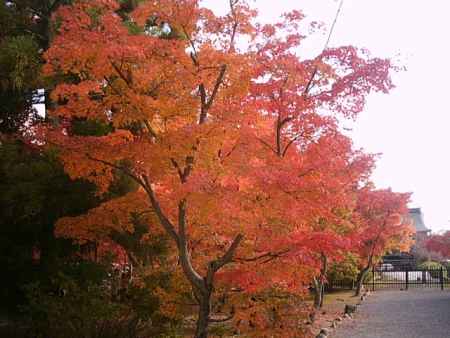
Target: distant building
422,231
408,259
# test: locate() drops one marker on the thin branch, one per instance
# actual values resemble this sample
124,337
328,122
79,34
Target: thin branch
126,171
267,145
228,256
188,168
269,254
207,103
311,80
278,136
108,81
121,74
217,264
219,81
333,25
165,222
235,24
182,222
285,120
228,154
194,54
146,123
177,167
290,143
150,129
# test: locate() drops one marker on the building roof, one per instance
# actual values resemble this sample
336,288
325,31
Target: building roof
417,218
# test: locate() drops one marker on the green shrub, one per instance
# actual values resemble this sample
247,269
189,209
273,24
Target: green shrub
345,271
434,268
69,307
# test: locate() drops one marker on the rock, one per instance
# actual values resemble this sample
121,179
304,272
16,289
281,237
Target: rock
312,317
350,308
324,332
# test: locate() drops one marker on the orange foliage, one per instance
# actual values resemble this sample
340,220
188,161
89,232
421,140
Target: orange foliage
237,148
385,225
439,244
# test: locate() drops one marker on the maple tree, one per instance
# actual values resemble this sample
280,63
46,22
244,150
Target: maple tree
236,150
384,226
439,244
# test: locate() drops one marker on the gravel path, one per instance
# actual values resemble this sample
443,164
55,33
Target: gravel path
421,313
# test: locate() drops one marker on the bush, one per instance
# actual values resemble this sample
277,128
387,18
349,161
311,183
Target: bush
344,272
69,307
434,268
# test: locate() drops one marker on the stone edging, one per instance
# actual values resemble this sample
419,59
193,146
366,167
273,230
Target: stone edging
349,310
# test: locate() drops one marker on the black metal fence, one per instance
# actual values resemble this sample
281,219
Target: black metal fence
387,276
404,277
336,285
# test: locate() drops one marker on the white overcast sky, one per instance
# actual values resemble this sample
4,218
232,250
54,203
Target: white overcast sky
411,125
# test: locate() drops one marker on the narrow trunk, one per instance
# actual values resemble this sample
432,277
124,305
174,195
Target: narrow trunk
322,294
319,284
359,282
201,331
318,293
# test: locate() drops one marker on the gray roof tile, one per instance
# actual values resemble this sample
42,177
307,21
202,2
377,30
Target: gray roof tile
416,215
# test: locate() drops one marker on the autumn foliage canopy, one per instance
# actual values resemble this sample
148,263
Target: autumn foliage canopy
439,244
231,136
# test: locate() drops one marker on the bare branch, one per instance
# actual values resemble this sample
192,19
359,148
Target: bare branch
150,129
194,54
121,74
271,255
267,145
233,3
125,170
310,82
196,280
217,264
165,222
295,138
207,103
177,167
228,256
219,81
146,123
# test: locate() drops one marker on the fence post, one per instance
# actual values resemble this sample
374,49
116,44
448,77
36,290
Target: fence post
441,278
407,277
373,278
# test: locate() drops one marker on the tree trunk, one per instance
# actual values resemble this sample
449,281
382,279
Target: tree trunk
319,284
201,330
318,293
359,282
202,286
